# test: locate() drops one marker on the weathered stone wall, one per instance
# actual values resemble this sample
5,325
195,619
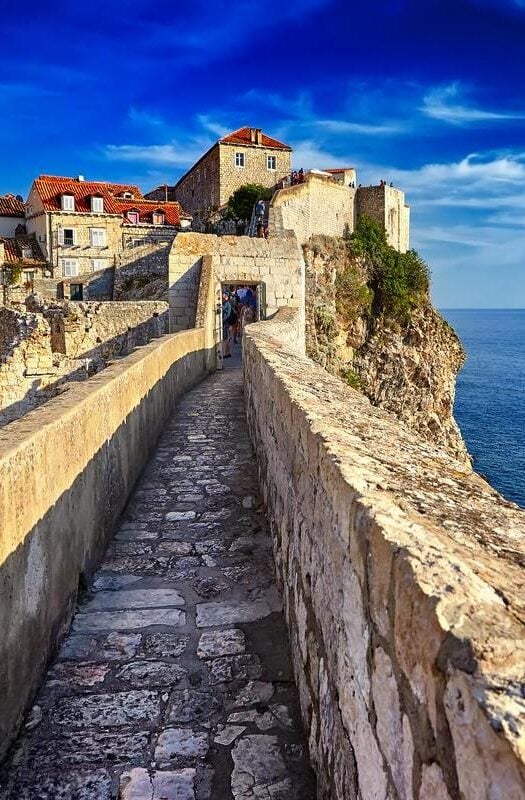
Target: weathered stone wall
402,586
145,268
63,342
67,470
198,191
386,204
277,263
255,168
318,206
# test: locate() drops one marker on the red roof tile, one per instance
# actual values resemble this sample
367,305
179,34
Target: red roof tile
10,206
50,189
146,208
243,136
14,249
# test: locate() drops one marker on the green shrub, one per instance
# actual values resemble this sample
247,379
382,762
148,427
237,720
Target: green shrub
241,203
351,378
325,323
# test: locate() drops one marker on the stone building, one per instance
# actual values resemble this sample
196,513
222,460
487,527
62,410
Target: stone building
82,225
12,213
21,263
245,156
387,205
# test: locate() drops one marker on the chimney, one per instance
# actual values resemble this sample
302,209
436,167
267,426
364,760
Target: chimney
258,136
81,178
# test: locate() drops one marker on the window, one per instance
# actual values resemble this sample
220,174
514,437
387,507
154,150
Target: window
98,237
68,202
28,277
67,237
158,217
97,204
271,162
127,195
133,217
98,263
69,267
27,252
239,159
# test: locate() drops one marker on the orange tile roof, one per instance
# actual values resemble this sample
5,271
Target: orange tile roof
11,206
243,136
146,208
50,188
14,250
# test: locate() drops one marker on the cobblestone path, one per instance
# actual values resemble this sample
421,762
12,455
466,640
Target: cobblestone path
175,681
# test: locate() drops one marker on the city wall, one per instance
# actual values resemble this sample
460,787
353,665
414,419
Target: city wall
276,263
58,343
320,205
402,587
67,470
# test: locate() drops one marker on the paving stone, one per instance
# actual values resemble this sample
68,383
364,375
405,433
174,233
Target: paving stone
176,743
108,710
135,533
106,581
277,716
151,673
134,598
85,748
228,734
254,692
65,786
128,620
179,516
176,548
210,587
191,705
259,769
87,675
213,644
231,611
231,668
139,784
165,645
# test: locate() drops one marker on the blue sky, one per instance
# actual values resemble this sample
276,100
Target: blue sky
427,93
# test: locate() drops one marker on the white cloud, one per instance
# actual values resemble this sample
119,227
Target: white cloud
143,118
168,154
338,126
447,104
212,126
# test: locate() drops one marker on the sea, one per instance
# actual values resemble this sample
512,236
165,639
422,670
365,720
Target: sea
490,395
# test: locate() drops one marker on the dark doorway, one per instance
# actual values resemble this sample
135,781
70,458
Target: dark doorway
76,291
244,302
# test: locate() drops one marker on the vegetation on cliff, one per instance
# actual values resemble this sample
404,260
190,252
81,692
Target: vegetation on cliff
241,203
371,322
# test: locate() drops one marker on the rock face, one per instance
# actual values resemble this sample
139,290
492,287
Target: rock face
406,365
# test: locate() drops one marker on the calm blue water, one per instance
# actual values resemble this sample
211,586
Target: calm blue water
490,395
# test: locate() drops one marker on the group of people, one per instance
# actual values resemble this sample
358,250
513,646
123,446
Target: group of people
239,307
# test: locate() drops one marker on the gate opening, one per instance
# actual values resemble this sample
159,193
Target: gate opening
238,304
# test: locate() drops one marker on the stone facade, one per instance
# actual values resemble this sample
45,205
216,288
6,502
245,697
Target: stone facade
142,267
212,180
45,350
319,205
386,204
402,585
277,264
67,471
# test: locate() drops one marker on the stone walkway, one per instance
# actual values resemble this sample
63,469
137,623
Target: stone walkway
175,682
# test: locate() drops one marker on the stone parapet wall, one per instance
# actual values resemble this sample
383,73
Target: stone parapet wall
402,586
320,205
67,470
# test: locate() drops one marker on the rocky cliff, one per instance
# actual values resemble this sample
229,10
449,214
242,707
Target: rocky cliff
370,321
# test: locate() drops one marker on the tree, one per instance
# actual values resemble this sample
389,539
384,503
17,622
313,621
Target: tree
242,201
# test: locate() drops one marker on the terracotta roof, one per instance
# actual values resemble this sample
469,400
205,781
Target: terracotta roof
11,206
243,136
50,189
146,208
14,250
